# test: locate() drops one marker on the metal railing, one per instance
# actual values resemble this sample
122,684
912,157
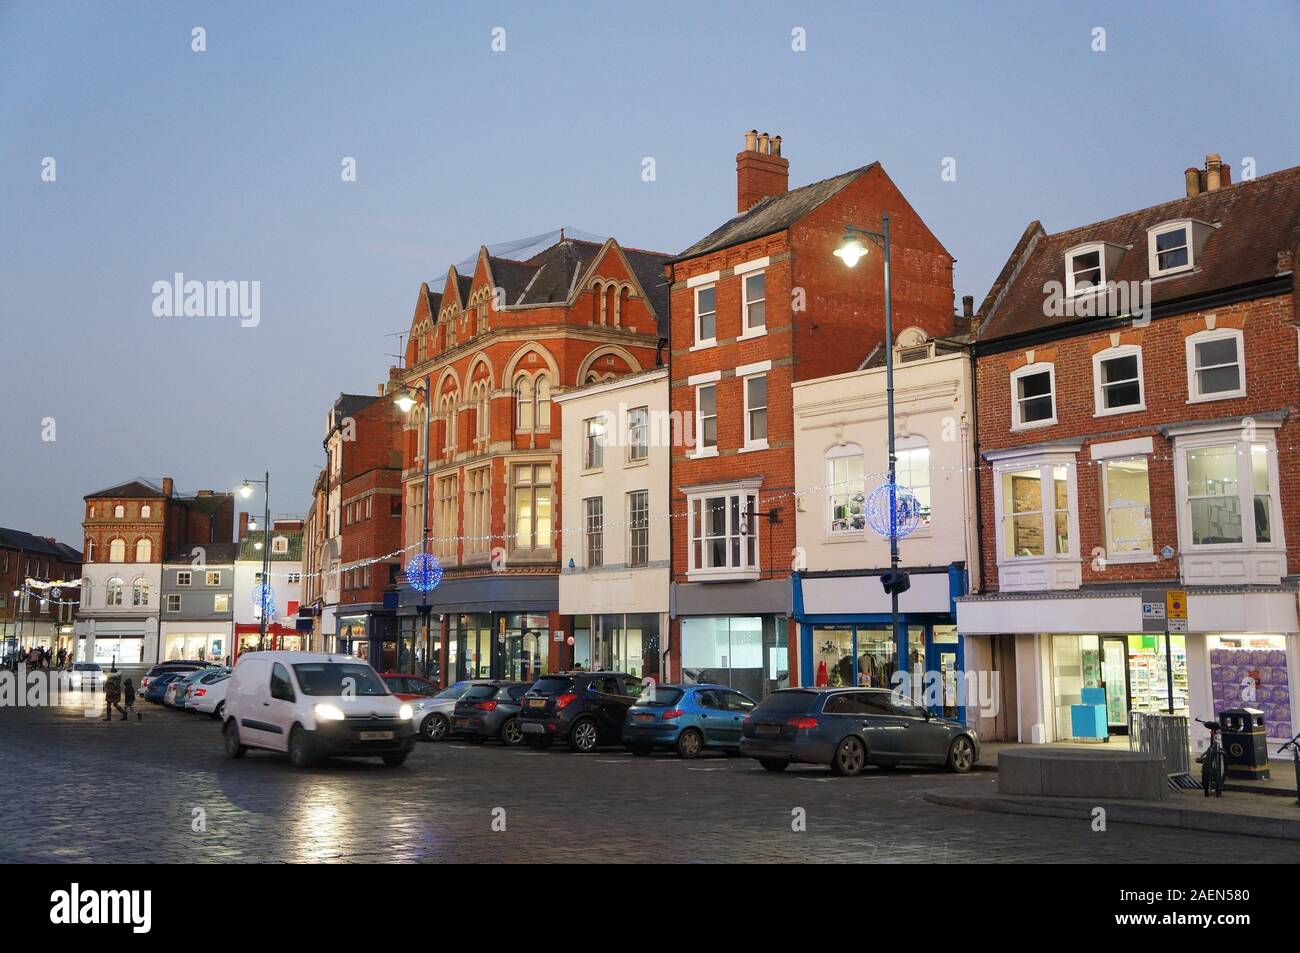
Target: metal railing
1166,736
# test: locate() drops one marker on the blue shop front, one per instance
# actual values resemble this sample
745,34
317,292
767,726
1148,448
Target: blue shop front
845,635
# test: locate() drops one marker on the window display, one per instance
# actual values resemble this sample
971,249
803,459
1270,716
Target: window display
748,653
1250,671
1131,669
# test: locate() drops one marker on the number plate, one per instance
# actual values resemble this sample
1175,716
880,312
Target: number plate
767,729
376,736
640,717
537,703
461,721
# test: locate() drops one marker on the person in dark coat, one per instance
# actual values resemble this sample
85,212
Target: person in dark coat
113,693
128,698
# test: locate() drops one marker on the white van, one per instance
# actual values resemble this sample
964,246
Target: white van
313,705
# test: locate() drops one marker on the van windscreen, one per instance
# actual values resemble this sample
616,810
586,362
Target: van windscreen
338,678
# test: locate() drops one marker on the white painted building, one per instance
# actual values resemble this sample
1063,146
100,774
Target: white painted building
616,544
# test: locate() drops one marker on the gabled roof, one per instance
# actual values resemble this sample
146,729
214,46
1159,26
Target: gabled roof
37,545
774,214
512,277
1254,221
130,490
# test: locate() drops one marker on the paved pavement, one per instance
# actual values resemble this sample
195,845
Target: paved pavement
73,788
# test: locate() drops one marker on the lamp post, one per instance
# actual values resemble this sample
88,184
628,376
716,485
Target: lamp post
405,400
851,250
247,490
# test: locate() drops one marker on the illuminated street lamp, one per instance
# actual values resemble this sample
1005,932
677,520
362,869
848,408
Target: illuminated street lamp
246,491
404,398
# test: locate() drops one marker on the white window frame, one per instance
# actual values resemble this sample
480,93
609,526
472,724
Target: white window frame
750,442
208,580
696,503
1098,390
700,449
700,341
1136,556
593,532
184,577
638,434
217,597
842,452
593,444
1044,463
1073,253
1194,396
638,526
746,331
907,445
1190,443
1153,259
1029,370
173,602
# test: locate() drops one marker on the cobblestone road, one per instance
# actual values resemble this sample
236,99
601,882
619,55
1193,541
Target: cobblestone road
77,789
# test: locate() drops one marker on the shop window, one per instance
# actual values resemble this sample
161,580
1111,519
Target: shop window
746,653
912,470
1117,380
1250,671
594,532
846,490
1126,492
638,528
1033,397
1215,365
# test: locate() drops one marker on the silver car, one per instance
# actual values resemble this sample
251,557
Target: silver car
432,716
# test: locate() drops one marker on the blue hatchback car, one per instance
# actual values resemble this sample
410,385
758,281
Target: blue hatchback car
688,719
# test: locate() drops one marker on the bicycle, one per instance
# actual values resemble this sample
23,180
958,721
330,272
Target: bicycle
1212,762
1294,745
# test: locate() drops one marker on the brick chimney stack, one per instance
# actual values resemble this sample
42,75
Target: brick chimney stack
761,172
243,526
167,487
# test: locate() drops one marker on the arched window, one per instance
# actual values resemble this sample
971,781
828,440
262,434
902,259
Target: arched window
484,422
113,592
543,402
117,551
90,551
524,408
449,424
143,550
85,593
913,471
119,512
140,592
845,490
422,430
145,510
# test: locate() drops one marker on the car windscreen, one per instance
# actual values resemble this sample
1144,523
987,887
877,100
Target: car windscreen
663,698
551,686
338,678
783,702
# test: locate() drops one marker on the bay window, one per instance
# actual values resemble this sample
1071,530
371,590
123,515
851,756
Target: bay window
1036,502
724,527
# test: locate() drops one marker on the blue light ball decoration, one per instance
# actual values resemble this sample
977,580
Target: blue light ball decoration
264,596
904,519
423,572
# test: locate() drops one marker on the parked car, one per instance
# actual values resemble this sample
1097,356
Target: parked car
158,685
207,695
688,719
432,716
177,692
86,675
584,709
490,711
183,666
313,705
407,687
851,728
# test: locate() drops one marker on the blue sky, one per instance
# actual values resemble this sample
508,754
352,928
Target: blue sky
225,165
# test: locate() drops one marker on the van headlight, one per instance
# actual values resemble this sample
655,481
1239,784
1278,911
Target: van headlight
405,712
328,712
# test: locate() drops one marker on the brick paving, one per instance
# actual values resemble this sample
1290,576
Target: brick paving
73,788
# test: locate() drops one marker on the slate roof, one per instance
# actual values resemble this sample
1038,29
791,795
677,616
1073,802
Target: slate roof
208,504
774,214
214,554
1257,219
348,404
248,552
130,490
37,545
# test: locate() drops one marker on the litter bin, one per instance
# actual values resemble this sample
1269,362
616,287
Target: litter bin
1244,743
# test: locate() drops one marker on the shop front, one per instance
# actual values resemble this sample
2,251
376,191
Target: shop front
1135,672
619,642
846,635
278,638
200,645
732,633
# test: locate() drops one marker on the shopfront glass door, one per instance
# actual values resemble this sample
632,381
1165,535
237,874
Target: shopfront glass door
1114,678
944,665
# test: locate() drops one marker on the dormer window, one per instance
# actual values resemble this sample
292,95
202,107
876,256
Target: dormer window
1169,248
1085,269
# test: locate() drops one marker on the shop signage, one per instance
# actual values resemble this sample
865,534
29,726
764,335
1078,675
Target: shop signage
1176,610
558,636
1153,610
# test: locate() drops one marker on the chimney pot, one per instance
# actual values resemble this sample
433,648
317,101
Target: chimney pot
764,144
1192,180
968,306
761,171
751,140
776,145
1213,172
1225,171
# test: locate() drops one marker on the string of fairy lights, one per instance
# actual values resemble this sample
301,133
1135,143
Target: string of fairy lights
483,542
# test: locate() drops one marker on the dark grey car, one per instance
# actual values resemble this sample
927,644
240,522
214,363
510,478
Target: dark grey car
490,710
849,728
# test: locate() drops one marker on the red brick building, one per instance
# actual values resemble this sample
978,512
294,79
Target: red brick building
756,305
487,352
1137,386
33,615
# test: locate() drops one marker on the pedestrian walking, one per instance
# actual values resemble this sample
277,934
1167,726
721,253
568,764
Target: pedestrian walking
128,696
113,693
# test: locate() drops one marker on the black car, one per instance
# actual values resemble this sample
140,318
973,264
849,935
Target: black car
585,709
850,728
490,710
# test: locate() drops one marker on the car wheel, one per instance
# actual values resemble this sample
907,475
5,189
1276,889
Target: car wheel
395,760
301,754
219,710
689,744
961,755
511,733
536,743
584,737
434,728
641,751
850,757
774,764
230,737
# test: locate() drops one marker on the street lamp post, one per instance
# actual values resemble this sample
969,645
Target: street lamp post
850,251
247,491
405,400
